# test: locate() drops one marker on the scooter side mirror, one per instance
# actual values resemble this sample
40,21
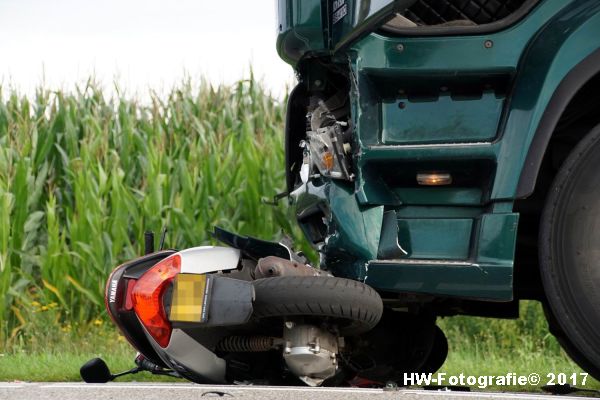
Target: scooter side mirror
95,371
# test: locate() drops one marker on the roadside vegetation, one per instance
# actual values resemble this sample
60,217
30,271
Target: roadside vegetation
83,176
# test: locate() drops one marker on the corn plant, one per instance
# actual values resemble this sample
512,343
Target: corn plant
83,176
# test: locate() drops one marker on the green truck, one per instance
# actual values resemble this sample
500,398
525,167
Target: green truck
447,154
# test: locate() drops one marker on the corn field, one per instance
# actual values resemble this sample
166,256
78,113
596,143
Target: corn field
82,177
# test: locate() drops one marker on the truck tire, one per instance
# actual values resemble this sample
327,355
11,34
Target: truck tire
567,346
438,354
356,306
569,246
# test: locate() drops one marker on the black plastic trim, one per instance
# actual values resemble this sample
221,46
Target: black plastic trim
567,89
381,17
251,247
295,130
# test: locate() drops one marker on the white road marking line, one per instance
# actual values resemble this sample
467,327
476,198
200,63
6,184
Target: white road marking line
202,387
425,393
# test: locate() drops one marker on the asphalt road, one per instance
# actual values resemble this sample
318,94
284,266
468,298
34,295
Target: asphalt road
170,391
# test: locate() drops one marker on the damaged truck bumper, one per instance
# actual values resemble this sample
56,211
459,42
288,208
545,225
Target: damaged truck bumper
439,250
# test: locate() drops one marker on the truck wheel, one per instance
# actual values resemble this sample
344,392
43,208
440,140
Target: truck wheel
569,248
355,306
567,346
439,353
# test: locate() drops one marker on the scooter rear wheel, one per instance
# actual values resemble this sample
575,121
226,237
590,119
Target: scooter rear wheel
355,306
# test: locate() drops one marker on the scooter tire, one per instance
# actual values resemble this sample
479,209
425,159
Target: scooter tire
356,306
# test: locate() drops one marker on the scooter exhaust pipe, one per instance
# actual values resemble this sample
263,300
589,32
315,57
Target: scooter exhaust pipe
270,267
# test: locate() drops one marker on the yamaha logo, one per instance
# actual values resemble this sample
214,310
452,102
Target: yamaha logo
112,294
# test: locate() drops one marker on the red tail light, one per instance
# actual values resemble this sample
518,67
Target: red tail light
147,295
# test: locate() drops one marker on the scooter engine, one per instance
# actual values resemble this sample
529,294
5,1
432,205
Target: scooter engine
310,352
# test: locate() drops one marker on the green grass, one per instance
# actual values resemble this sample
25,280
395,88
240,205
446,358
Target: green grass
489,361
61,360
58,357
487,346
478,346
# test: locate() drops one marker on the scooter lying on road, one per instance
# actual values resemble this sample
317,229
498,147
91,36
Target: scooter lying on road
254,312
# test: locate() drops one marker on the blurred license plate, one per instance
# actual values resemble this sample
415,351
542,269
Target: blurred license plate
190,298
